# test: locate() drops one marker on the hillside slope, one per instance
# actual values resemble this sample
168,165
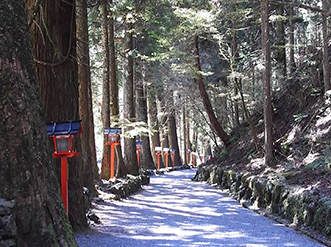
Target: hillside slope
302,134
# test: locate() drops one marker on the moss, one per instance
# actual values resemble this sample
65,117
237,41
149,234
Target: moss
322,217
53,234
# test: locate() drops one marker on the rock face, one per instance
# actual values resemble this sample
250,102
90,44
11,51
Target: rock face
121,188
8,230
303,207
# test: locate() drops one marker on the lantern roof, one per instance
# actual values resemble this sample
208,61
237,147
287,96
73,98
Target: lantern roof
116,131
72,127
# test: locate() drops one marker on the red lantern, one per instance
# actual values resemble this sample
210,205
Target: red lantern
158,151
63,134
113,140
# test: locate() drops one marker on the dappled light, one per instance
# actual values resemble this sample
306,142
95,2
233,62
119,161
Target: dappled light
174,211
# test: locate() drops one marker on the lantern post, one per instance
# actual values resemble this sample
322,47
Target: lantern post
63,134
194,156
188,151
166,153
113,140
158,151
173,152
138,148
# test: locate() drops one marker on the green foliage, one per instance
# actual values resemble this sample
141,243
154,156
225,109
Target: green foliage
319,162
299,117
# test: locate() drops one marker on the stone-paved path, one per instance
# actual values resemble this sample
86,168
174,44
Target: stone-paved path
174,211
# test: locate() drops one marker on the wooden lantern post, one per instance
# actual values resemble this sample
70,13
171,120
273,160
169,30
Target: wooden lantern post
63,134
166,153
158,151
173,152
113,140
188,151
194,156
138,148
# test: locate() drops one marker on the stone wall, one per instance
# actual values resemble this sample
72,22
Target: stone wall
302,207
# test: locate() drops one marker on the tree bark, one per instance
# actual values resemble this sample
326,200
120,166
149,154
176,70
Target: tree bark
105,112
326,66
146,159
205,99
85,99
234,66
28,183
154,124
54,46
173,138
184,134
188,135
280,45
292,61
267,110
113,103
130,157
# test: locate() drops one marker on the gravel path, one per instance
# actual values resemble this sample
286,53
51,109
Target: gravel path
174,211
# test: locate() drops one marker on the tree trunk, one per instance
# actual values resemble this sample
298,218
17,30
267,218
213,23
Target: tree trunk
173,138
154,124
146,159
326,66
130,157
105,111
165,142
184,134
29,190
267,110
85,100
54,46
234,68
113,104
188,135
280,45
205,99
292,61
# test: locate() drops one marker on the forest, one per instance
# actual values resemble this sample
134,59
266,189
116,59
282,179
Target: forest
240,84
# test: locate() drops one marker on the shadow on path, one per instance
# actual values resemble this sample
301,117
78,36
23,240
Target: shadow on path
174,211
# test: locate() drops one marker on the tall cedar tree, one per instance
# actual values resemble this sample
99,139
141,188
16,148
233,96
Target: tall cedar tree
113,87
130,157
143,46
280,45
54,48
90,169
27,174
154,123
267,110
205,99
184,133
164,126
291,40
326,65
105,171
146,159
173,138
